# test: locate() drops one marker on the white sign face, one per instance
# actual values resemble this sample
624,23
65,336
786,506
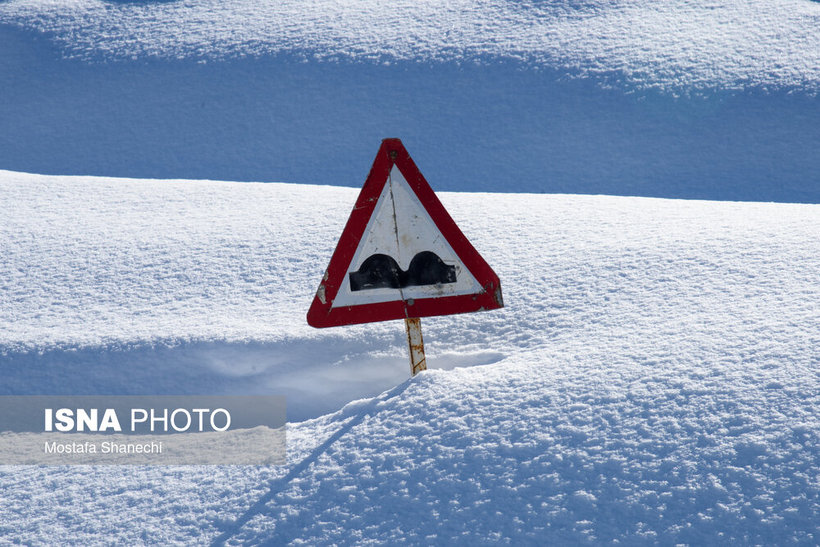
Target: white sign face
402,255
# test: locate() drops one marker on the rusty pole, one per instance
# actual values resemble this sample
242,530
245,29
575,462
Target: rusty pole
417,359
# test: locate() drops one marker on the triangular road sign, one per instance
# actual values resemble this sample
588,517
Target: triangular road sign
401,255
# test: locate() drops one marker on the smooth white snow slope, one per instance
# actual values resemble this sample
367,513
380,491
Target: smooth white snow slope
695,99
654,377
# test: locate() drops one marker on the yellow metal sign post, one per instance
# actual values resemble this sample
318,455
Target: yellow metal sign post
417,360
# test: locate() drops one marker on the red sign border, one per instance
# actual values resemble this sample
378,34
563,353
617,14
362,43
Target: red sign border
322,313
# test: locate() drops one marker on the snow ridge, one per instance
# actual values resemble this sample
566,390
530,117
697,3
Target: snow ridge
696,44
653,377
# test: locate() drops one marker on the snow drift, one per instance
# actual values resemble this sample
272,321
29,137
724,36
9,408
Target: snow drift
682,100
651,43
653,377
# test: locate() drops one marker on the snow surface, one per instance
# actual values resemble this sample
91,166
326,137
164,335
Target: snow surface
653,379
695,43
689,99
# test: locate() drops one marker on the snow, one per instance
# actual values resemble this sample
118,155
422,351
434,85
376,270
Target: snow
696,99
653,377
696,43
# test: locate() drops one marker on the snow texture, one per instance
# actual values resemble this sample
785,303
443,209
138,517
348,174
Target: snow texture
653,378
689,99
694,43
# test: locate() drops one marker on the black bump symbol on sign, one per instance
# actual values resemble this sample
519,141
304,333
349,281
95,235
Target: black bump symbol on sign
380,271
427,268
377,272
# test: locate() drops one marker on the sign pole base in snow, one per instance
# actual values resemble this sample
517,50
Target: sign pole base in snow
417,360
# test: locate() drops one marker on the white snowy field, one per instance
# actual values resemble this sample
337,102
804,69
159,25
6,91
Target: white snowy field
688,99
653,378
650,43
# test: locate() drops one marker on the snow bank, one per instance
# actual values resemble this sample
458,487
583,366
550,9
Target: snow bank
653,377
531,450
695,99
536,451
678,45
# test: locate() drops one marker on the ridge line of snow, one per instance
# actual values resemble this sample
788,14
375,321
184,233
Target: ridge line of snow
698,44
